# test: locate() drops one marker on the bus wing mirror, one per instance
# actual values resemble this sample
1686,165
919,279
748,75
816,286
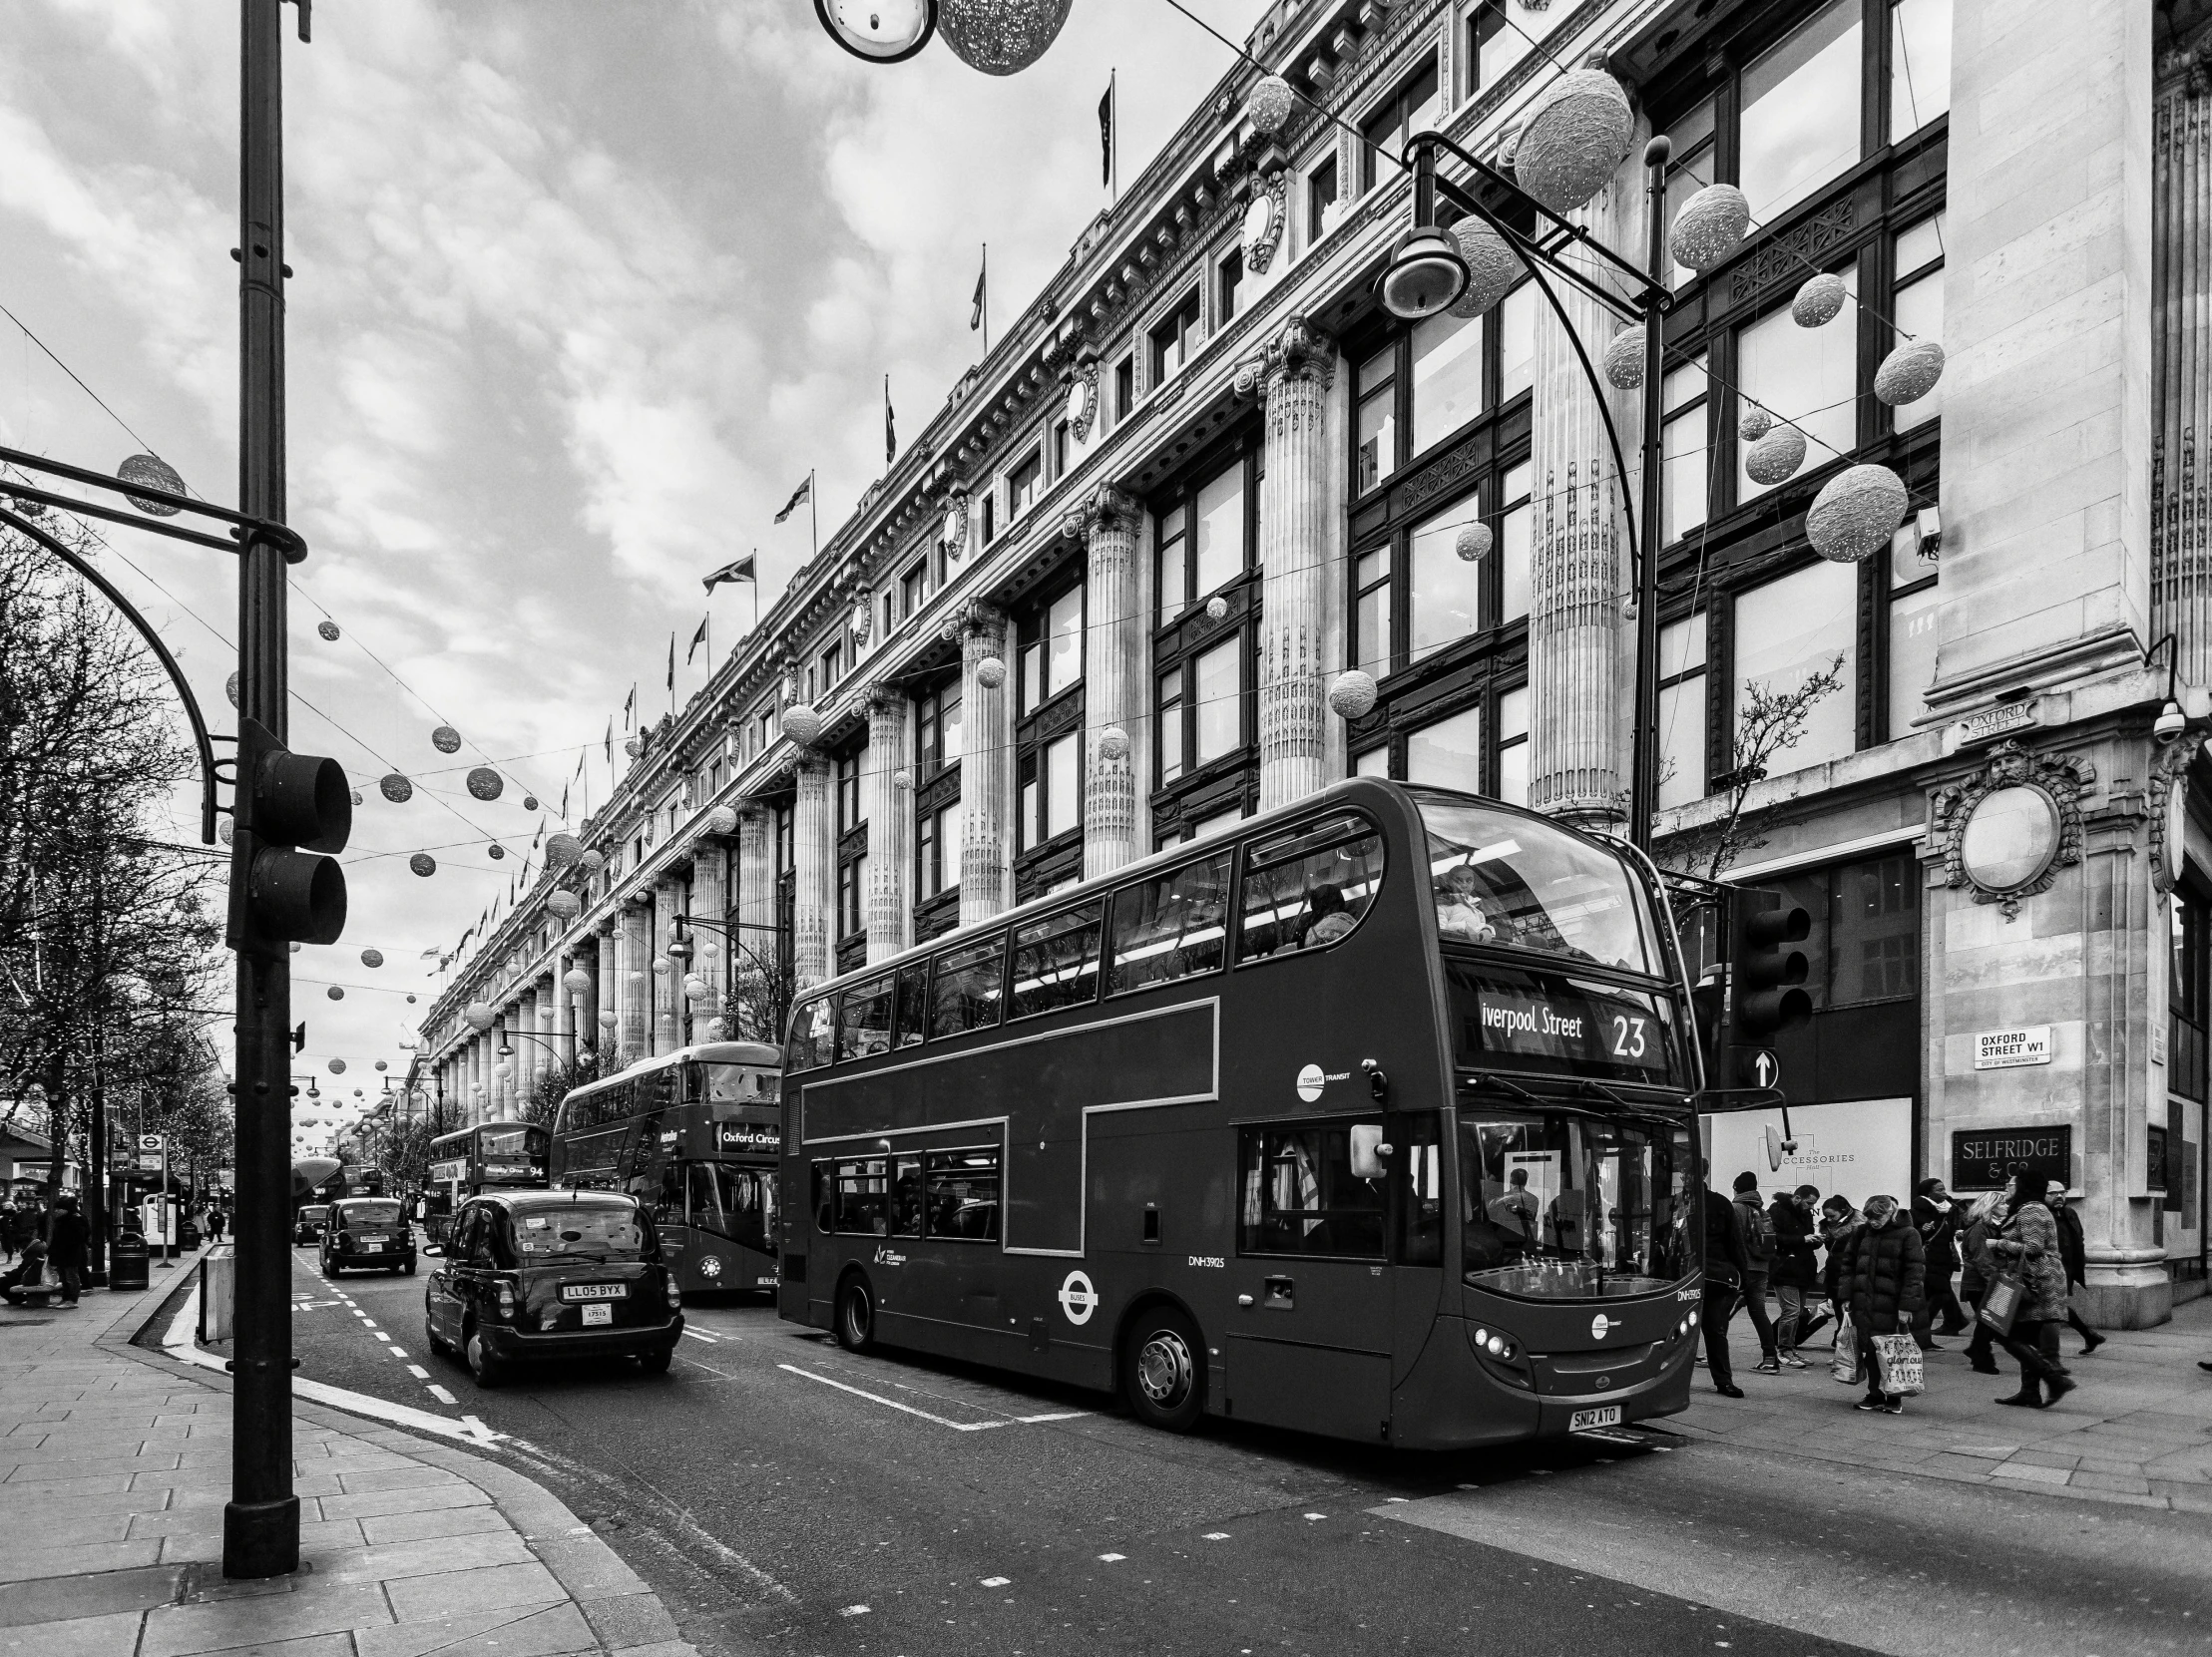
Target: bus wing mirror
433,1249
1368,1150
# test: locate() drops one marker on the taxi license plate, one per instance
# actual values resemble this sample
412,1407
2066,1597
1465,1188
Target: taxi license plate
595,1291
606,1314
373,1247
1607,1415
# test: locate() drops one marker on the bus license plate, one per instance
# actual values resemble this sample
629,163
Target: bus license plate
1607,1415
606,1314
595,1291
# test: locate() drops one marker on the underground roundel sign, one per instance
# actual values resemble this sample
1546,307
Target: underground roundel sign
1078,1298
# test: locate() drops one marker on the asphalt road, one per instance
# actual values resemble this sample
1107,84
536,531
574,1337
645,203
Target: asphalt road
782,1496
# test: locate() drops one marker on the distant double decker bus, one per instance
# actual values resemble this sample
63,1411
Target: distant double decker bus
695,1135
466,1163
1372,1118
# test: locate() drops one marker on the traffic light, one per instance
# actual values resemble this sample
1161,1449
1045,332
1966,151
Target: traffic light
1766,978
287,808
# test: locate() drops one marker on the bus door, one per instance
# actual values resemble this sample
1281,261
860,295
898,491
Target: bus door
1311,1321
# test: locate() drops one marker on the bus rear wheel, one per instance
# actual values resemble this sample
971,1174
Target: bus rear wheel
1163,1370
856,1315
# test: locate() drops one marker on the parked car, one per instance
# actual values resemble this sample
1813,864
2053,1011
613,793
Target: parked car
535,1275
308,1224
368,1231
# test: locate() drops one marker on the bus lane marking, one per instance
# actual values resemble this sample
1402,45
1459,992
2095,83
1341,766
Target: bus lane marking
892,1403
696,1336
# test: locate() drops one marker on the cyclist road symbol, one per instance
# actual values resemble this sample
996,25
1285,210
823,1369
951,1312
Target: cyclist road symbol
1077,1299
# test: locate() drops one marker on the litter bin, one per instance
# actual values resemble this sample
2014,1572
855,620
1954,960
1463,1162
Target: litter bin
188,1236
127,1262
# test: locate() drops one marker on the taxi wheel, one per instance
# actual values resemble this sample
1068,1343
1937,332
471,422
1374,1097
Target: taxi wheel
856,1314
430,1335
1163,1370
657,1361
486,1369
331,1268
408,1266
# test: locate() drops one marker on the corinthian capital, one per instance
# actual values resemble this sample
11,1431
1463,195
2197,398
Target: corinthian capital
1109,508
1300,352
974,620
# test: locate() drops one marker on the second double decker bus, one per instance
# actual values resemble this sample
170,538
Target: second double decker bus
472,1160
694,1134
1373,1118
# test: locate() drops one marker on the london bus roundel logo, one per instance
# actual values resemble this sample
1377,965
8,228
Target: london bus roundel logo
1310,1082
1602,1325
1078,1298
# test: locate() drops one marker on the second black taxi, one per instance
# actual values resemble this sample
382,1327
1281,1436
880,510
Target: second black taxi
367,1231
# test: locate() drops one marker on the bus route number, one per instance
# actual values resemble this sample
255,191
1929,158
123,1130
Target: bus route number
1628,1036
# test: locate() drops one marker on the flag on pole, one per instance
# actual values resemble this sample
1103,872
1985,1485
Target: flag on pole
799,497
1106,136
671,661
698,639
737,570
610,741
630,707
890,428
983,277
563,802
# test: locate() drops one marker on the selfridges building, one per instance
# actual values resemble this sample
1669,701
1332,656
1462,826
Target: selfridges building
1100,606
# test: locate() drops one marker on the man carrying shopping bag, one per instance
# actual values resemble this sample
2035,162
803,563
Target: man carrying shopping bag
1881,1280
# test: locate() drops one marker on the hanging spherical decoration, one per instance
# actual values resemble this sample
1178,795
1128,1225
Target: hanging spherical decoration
1624,360
1819,300
446,739
707,948
479,1015
902,779
151,471
634,977
562,905
495,851
338,1066
801,724
1000,37
1113,743
356,1094
1855,513
382,1066
485,783
1492,265
1352,695
1909,372
329,632
1269,104
714,1029
230,689
530,802
591,860
634,746
502,1072
660,967
577,982
335,994
1217,609
372,958
562,849
423,864
1753,423
608,1019
721,820
694,987
224,829
396,789
1710,226
1473,542
990,672
1776,456
296,949
354,794
1575,138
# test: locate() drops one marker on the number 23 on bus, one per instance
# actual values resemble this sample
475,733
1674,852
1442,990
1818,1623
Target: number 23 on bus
1371,1118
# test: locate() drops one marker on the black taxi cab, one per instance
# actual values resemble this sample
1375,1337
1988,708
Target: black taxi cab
308,1224
532,1275
367,1231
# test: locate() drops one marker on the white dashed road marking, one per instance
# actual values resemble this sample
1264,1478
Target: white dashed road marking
418,1372
1112,1558
441,1395
696,1336
996,1582
891,1403
1217,1536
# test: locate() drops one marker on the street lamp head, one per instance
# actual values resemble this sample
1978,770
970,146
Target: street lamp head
505,1050
1425,275
879,31
2171,723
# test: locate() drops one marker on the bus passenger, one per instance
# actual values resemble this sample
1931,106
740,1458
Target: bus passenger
1460,906
906,1203
1516,1212
1327,918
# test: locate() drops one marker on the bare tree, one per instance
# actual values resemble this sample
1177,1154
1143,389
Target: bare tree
557,1082
1768,721
758,1004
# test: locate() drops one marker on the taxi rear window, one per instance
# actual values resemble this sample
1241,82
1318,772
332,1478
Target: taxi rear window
582,1231
371,1213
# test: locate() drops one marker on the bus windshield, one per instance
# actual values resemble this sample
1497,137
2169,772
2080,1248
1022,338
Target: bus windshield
1571,1205
1507,881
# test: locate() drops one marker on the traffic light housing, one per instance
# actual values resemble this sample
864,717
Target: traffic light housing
1766,978
287,808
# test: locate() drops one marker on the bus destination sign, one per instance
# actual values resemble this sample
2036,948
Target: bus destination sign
756,1136
1577,1028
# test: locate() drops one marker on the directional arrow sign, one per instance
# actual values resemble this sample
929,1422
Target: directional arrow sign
1764,1068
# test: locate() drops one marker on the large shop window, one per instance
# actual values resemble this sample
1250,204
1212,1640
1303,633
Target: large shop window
1447,376
1446,601
936,730
1512,747
937,851
1683,711
1176,339
1686,467
1788,631
1801,112
1917,304
1218,720
1919,65
2188,993
1052,649
1413,107
1448,753
1807,376
1873,930
1204,538
1051,789
1914,632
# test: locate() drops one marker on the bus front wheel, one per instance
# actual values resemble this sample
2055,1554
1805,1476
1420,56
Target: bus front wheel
856,1315
1163,1370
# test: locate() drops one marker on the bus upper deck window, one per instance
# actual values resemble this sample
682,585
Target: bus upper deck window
913,1004
810,1037
1308,888
1170,927
864,1020
968,985
1055,962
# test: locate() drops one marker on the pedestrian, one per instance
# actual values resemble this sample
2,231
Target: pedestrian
1982,1220
1838,1221
67,1237
29,1273
1882,1279
2074,1251
1725,1265
1757,1232
1796,1271
1936,1218
7,1231
2029,1247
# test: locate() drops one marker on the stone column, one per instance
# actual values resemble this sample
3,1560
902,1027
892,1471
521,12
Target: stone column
569,1015
529,1056
708,944
1294,516
814,861
753,937
607,995
986,767
666,985
553,1004
634,958
1580,703
890,811
1112,674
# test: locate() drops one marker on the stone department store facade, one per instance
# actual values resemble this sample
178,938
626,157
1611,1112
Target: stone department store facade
1205,473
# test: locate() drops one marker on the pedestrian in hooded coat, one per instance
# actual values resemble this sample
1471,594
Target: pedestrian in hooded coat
1725,1265
1936,1218
2074,1251
1984,1221
1882,1277
67,1239
2028,1246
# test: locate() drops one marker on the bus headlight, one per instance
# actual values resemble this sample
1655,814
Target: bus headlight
711,1266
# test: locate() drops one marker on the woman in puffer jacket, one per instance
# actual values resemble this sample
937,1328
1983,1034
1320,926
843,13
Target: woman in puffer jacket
1882,1276
2029,1247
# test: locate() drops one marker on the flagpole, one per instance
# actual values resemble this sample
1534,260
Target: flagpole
1113,93
814,523
987,299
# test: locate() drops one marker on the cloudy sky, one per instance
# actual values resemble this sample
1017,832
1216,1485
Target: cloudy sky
583,289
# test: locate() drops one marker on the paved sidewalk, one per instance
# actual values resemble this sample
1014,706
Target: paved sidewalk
115,1464
2137,1429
